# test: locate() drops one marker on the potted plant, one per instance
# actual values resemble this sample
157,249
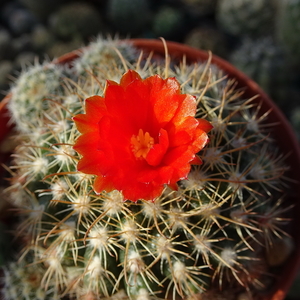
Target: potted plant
160,174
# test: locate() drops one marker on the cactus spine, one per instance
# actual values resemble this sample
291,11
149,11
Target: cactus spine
211,233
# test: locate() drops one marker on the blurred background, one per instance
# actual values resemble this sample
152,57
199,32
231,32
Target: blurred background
260,37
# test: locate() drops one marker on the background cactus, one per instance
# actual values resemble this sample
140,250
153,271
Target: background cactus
31,89
288,26
129,16
246,17
76,21
211,234
264,61
208,38
200,7
168,22
93,58
295,119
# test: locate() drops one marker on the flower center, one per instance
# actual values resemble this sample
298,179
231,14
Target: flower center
141,144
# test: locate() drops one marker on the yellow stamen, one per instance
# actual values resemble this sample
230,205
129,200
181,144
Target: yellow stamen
141,144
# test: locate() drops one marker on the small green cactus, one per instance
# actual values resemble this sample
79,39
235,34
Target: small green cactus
200,7
32,88
168,22
295,120
76,20
264,61
102,50
246,17
288,28
208,38
197,242
129,15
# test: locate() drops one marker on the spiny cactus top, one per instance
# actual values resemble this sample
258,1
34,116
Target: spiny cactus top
80,239
140,136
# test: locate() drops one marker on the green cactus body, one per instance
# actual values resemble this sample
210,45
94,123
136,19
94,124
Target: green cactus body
129,16
263,60
211,233
99,52
295,120
31,89
75,20
246,17
288,28
168,22
208,38
200,7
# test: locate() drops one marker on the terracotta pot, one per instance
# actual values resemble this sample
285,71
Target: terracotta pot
282,132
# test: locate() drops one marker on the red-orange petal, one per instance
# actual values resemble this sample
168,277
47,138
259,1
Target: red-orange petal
196,161
201,140
166,99
102,183
173,186
187,108
86,142
205,125
84,124
95,106
129,77
158,151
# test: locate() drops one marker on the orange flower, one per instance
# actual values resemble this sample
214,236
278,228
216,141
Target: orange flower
140,136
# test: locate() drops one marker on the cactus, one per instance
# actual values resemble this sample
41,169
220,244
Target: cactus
200,7
208,38
264,61
30,91
168,22
76,20
246,17
288,28
129,16
100,51
205,239
295,120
